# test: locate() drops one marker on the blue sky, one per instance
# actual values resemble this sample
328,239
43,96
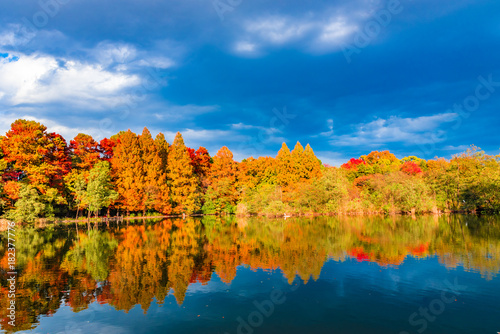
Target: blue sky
416,77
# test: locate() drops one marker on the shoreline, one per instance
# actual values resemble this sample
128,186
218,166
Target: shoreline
61,221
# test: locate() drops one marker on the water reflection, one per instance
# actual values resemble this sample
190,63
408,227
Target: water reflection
132,264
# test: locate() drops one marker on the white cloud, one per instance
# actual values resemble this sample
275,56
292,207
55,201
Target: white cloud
321,31
327,133
158,62
39,78
459,148
332,34
182,111
395,129
278,30
7,38
15,35
245,47
108,53
242,126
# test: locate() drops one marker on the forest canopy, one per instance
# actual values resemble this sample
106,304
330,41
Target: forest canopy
135,174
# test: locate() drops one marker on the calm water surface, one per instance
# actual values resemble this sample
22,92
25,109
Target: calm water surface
211,275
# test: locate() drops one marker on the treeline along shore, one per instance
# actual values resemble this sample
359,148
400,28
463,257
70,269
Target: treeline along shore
130,174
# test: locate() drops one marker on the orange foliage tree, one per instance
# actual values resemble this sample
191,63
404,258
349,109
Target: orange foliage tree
222,194
184,190
40,156
129,172
162,202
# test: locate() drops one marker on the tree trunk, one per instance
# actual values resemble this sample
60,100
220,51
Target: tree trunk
88,220
77,210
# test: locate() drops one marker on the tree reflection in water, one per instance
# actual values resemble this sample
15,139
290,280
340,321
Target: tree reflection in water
130,265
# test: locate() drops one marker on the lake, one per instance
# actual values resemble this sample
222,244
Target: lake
428,274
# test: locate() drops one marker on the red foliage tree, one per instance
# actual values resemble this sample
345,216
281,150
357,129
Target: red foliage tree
353,164
410,168
85,151
106,147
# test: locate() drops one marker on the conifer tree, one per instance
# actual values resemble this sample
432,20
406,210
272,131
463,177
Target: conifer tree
128,170
297,163
162,202
184,190
312,165
283,166
151,165
222,194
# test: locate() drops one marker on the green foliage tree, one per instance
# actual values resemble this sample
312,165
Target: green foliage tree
99,188
30,205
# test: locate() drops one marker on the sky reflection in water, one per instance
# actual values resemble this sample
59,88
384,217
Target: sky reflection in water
232,275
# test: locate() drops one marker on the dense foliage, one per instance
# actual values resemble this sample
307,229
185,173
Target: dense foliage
42,176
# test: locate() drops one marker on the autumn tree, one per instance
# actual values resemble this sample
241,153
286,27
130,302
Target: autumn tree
254,172
312,165
353,164
128,170
418,161
151,166
184,190
284,167
30,205
36,157
84,152
222,193
162,202
382,162
411,168
375,156
297,169
76,183
106,147
99,192
201,162
40,156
